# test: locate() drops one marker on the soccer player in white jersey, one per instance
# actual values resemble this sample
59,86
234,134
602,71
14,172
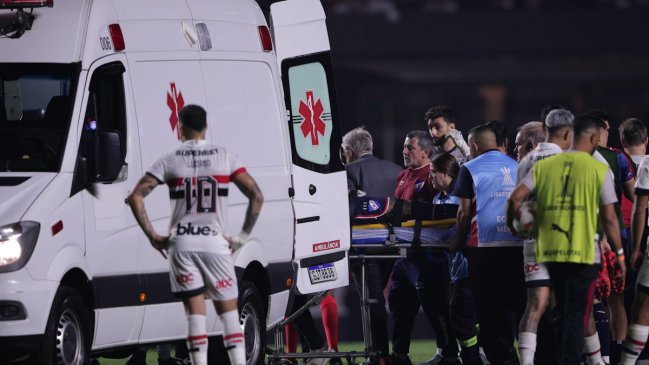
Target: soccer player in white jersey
198,174
638,331
558,128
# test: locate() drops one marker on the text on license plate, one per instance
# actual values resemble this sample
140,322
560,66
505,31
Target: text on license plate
322,273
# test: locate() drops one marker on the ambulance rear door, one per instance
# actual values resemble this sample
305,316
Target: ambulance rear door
319,183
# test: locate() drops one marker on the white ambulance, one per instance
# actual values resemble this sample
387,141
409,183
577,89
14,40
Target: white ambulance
89,98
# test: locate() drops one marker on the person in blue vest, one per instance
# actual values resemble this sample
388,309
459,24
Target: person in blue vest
498,284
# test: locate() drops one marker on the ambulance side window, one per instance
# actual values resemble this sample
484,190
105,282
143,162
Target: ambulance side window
105,117
106,109
311,99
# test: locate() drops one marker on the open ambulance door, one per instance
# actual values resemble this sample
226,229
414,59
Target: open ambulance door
322,232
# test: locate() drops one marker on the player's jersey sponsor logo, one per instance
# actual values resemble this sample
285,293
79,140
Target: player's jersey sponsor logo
191,230
325,246
531,267
184,278
224,284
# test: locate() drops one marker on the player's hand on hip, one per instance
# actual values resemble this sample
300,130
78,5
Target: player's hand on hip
161,244
237,241
636,259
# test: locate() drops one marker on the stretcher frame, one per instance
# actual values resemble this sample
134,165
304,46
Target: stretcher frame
360,253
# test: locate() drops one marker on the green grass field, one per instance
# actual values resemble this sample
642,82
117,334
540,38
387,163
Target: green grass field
420,351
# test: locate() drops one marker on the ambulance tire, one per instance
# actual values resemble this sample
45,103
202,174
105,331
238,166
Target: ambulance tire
252,316
68,335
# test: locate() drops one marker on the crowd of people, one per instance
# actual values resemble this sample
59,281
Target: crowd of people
562,290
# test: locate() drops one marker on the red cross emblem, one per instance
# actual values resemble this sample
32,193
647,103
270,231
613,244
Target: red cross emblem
312,122
175,102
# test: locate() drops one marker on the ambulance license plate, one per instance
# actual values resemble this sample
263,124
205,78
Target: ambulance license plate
322,273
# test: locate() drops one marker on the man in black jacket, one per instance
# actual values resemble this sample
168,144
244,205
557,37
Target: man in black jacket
370,176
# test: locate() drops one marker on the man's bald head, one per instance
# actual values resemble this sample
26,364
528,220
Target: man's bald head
483,139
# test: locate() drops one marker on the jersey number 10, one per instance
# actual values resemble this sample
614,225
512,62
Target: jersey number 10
205,192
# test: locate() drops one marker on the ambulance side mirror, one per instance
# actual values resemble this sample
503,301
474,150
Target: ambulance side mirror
108,156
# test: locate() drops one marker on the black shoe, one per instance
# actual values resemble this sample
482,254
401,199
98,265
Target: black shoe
137,358
400,359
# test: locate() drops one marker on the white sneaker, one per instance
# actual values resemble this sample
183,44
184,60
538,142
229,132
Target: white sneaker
320,360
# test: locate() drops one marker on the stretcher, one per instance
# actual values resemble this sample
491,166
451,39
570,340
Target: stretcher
379,240
372,240
426,233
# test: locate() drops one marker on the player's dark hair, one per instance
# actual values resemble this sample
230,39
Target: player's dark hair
500,130
446,163
193,117
601,115
584,123
440,111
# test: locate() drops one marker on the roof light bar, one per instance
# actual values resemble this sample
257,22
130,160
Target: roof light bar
22,4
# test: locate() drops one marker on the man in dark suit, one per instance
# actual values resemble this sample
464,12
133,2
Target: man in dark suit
368,175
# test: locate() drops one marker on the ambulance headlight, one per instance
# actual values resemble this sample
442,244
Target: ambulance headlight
17,242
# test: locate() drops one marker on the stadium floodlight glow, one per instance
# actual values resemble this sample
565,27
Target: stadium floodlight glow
25,4
17,242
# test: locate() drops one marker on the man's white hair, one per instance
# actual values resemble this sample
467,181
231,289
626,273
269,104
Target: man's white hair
359,141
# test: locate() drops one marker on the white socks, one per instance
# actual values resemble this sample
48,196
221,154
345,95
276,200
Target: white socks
233,338
527,347
197,339
636,338
593,350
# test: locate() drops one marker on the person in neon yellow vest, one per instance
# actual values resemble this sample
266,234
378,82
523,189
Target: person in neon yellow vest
572,189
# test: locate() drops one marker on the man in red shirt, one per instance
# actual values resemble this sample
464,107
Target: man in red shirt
421,280
413,183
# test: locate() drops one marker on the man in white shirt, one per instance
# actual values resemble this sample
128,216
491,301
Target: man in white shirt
198,175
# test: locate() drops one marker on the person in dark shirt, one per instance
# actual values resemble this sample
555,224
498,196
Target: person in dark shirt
368,175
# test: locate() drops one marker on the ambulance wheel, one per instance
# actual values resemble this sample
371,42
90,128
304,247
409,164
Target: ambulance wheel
252,316
68,337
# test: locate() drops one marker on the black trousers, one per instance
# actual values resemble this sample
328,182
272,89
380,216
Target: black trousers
464,321
498,286
574,288
309,335
377,273
421,282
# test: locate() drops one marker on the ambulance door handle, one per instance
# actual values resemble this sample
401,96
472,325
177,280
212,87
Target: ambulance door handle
312,189
291,192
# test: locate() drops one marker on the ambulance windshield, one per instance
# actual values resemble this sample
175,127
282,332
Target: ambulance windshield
35,106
